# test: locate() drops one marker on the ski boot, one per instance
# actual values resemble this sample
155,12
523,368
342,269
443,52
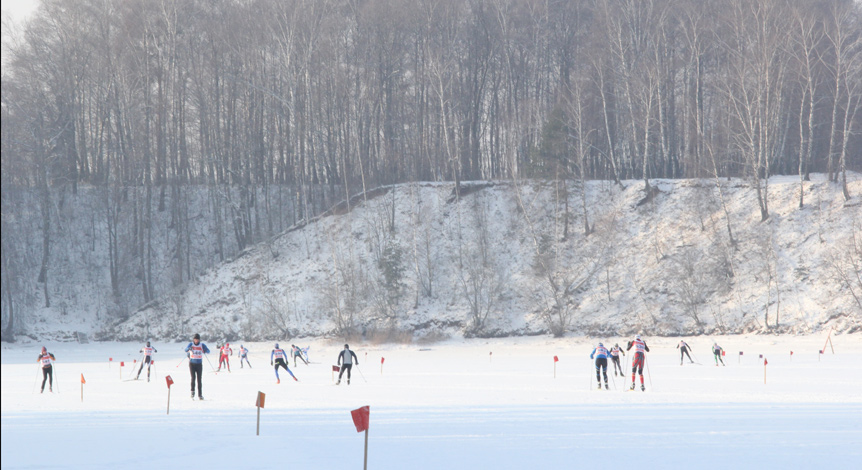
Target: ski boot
643,389
339,382
633,386
277,381
201,397
193,394
348,381
606,386
297,380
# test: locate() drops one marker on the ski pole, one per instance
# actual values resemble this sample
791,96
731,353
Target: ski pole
647,371
140,359
361,374
613,378
590,377
54,377
36,380
181,362
210,363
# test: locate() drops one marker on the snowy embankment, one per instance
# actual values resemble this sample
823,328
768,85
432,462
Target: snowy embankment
665,266
457,404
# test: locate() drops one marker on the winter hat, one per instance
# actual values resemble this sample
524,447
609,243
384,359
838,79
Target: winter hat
148,343
617,345
346,346
197,336
44,349
276,345
601,345
637,336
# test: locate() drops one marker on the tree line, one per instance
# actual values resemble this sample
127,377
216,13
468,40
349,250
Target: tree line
323,99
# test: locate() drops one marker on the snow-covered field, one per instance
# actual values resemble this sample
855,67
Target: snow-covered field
445,405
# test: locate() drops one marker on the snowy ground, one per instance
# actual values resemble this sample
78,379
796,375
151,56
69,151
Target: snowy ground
446,405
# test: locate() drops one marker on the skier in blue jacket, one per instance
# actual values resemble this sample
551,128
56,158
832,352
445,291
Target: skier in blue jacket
600,353
243,356
196,351
280,357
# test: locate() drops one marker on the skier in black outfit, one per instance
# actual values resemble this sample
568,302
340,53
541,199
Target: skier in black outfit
345,360
296,351
46,359
615,358
148,355
716,351
683,349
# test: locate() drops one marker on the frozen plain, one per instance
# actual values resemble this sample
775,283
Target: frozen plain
463,404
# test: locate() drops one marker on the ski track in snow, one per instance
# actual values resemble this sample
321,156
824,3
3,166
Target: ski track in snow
453,406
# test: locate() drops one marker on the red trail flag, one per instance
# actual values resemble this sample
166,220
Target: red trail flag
361,418
556,359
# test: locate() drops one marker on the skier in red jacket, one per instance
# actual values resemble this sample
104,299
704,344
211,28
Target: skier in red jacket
638,360
225,351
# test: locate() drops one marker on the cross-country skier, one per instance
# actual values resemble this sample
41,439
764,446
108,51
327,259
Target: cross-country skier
346,356
638,360
46,359
296,351
148,358
280,357
683,349
243,356
224,352
196,351
615,357
716,351
601,355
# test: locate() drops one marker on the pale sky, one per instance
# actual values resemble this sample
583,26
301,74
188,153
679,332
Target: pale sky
19,9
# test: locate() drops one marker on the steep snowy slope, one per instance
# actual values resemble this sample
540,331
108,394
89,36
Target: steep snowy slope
512,258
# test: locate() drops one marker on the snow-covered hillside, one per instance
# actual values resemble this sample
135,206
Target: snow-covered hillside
414,262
